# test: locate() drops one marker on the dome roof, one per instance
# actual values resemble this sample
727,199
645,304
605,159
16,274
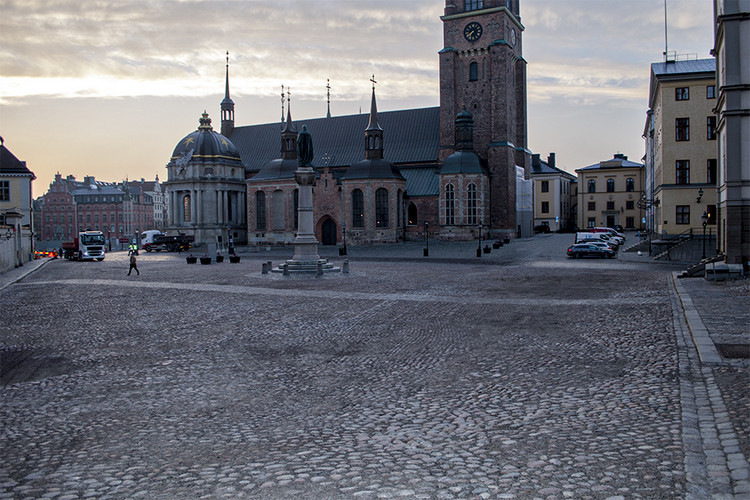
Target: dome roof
206,145
462,162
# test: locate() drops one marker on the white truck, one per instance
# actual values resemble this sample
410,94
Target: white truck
88,245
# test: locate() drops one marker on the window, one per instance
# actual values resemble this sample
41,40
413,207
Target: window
711,128
629,185
88,217
474,4
711,211
610,185
592,206
711,171
682,93
411,216
545,186
629,205
471,204
381,208
592,186
682,129
682,172
682,214
630,222
4,190
260,211
450,205
591,222
545,207
358,209
187,215
473,71
610,205
711,92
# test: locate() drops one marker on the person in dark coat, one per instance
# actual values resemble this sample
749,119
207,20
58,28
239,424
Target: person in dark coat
133,266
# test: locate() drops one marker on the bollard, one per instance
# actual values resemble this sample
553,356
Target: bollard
270,265
286,269
345,268
320,268
265,268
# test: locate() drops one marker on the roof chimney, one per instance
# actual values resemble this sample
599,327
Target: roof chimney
551,160
535,160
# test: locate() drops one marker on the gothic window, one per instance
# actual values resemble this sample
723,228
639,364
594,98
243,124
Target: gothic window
260,211
450,205
592,186
471,204
186,209
277,199
629,185
411,216
473,71
610,185
381,208
358,208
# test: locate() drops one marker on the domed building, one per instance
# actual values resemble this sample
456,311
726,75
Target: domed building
206,186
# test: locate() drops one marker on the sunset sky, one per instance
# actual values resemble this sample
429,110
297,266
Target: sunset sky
107,88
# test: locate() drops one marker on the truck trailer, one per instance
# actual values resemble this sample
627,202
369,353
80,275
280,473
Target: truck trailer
158,241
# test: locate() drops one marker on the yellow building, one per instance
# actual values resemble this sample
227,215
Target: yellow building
16,224
608,194
681,152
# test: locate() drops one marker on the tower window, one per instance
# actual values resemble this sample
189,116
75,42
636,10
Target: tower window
473,71
474,4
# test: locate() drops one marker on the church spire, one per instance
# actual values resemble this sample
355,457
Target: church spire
227,108
289,135
328,94
373,132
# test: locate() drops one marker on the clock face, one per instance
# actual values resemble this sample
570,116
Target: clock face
473,31
513,36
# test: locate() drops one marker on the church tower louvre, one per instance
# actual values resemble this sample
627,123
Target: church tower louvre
482,68
227,108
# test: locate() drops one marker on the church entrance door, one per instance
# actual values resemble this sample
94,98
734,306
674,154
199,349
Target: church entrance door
329,232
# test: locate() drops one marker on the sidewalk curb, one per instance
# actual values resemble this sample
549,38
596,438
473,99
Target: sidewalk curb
27,269
706,349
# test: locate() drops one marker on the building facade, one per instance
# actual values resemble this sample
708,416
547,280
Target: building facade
608,194
553,194
16,210
731,49
681,151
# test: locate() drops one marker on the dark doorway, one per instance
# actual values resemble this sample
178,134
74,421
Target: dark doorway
329,232
610,221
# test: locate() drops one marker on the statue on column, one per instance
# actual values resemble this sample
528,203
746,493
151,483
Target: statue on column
304,148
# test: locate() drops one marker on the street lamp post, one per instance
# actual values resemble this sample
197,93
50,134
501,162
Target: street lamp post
426,241
704,218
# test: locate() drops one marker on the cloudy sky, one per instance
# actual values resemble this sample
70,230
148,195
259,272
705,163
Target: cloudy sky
107,88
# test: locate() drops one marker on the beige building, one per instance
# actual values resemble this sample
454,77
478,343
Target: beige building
681,153
608,194
553,194
16,213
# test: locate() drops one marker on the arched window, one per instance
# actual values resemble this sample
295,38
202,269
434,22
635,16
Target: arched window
610,185
629,184
473,71
295,203
592,186
471,204
450,205
411,216
381,208
186,209
260,211
358,209
277,200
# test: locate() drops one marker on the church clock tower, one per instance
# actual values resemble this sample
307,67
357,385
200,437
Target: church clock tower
482,69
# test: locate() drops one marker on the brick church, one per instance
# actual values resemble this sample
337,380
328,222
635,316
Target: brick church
452,170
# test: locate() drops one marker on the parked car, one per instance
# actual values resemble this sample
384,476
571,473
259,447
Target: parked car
603,244
542,228
586,237
581,250
608,230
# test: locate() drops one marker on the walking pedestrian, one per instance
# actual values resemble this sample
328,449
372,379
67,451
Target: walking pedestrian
133,266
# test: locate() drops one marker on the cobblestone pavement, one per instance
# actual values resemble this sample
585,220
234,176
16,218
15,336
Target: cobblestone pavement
526,377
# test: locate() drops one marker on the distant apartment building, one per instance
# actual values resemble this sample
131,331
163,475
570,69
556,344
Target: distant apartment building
155,190
731,49
681,153
552,194
608,194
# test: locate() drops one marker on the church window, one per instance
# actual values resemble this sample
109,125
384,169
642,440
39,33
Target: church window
411,216
610,185
450,205
381,208
471,204
474,4
358,208
186,209
295,208
260,211
592,186
473,71
277,198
